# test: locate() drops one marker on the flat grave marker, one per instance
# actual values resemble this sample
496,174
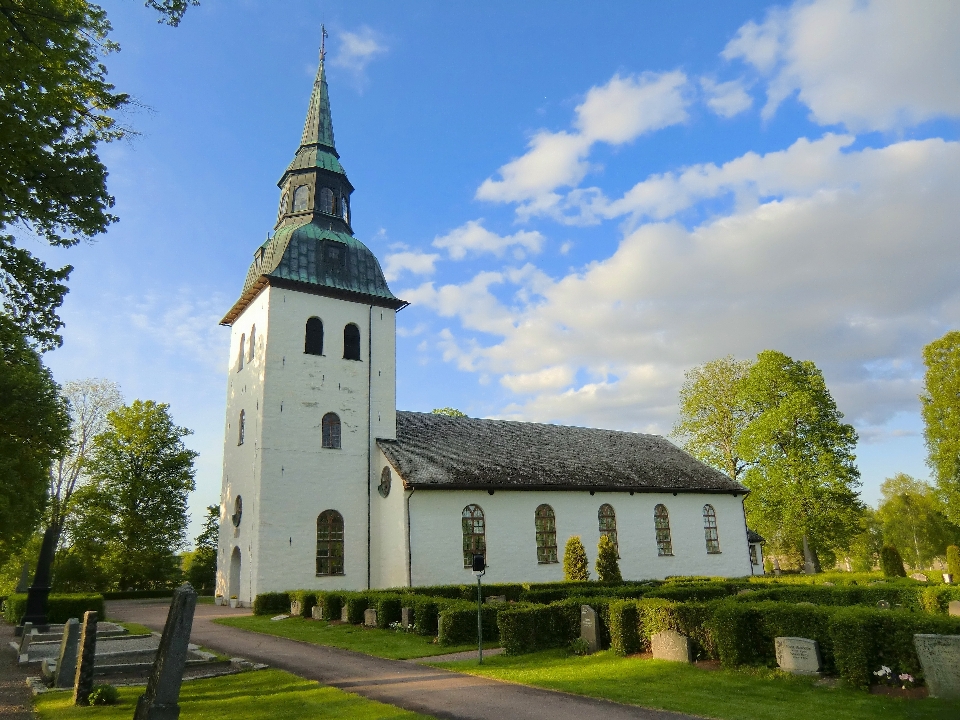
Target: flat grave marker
800,656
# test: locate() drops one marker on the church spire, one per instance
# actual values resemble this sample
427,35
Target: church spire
318,128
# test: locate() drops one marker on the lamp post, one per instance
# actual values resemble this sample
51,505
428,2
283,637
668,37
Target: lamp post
479,568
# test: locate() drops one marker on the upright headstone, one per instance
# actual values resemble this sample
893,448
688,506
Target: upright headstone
24,583
954,607
159,702
492,599
66,668
25,640
83,679
800,656
316,612
296,608
940,657
670,645
406,617
588,627
344,613
370,617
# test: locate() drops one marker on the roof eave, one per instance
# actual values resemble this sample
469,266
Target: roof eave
245,299
578,488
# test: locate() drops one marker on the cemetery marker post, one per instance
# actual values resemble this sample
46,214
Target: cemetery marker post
479,568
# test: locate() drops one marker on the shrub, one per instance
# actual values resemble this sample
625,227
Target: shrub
624,635
608,566
698,592
302,601
357,604
332,605
936,599
60,608
458,623
953,562
426,612
104,695
388,609
580,647
891,563
271,603
690,619
539,627
575,566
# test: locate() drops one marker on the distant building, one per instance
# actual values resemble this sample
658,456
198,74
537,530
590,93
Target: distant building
326,485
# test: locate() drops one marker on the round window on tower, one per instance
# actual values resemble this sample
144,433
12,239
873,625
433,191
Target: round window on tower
385,479
237,511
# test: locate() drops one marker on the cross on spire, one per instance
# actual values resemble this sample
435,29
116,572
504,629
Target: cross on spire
323,42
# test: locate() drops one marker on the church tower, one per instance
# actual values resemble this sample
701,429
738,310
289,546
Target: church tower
311,387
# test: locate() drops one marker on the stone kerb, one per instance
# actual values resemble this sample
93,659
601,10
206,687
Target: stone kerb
800,656
670,645
940,657
588,628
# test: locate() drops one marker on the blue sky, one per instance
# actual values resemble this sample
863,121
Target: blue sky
581,201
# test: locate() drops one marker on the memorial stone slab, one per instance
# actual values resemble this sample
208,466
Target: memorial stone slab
159,702
588,628
370,617
344,615
491,599
954,607
316,612
296,609
25,640
919,577
406,617
670,645
66,668
800,656
83,679
940,657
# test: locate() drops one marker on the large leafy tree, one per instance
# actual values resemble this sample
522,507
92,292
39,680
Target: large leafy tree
913,520
56,107
713,414
130,520
802,475
34,427
202,573
940,406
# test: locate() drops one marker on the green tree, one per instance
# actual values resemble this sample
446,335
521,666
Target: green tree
953,561
940,407
56,108
202,571
131,518
913,520
713,414
891,562
608,564
575,565
802,473
864,550
34,426
449,411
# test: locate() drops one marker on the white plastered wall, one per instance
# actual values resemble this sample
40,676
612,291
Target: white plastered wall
390,549
436,534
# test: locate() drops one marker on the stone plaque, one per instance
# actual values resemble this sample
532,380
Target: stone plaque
954,607
316,612
670,645
940,657
406,617
296,609
588,627
919,577
496,599
370,617
800,656
344,615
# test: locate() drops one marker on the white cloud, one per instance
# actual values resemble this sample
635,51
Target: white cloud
473,238
726,99
866,64
417,263
615,113
357,49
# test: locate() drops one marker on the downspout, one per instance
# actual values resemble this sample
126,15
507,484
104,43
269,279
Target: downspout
409,544
369,435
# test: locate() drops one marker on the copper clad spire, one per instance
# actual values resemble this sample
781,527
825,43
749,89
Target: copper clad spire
318,128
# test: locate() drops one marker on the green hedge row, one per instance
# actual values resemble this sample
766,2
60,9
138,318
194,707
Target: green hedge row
272,603
60,608
457,623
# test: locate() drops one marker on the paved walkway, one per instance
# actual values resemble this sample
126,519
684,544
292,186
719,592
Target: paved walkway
407,685
15,702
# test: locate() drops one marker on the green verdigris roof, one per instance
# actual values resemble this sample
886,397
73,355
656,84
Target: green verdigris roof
316,157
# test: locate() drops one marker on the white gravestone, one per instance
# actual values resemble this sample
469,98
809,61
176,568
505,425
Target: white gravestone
344,615
588,627
800,656
940,657
316,612
954,607
670,645
370,617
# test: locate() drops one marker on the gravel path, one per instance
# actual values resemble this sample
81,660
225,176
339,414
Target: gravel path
15,698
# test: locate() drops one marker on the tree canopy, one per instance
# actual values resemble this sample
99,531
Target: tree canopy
202,571
913,520
449,411
940,408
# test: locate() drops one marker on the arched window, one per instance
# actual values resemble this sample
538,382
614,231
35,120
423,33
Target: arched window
313,338
284,200
326,201
344,209
546,524
710,529
474,536
608,524
330,431
253,343
300,197
243,419
351,342
330,543
661,520
243,348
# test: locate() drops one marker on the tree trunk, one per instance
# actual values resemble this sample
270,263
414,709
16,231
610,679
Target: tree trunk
40,588
811,563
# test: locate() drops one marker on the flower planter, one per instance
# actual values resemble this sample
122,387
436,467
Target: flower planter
234,602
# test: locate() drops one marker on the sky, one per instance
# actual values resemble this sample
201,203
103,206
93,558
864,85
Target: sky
581,201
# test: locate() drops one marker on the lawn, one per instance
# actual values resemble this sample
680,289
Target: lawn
725,694
372,641
251,696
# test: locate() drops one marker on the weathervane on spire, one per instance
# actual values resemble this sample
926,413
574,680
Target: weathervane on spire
323,42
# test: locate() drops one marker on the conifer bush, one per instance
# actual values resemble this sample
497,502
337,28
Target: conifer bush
953,562
575,565
891,563
608,565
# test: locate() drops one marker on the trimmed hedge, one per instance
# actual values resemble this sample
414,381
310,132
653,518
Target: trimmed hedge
272,603
60,608
937,599
332,604
388,609
457,623
302,602
526,629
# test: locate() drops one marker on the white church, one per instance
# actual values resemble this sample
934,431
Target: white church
326,485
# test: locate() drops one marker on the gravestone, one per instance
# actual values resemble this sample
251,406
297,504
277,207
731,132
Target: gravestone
883,605
588,627
344,614
920,577
316,612
25,640
24,583
83,679
800,656
370,617
159,702
948,578
670,645
406,617
66,667
954,607
496,599
940,657
829,584
296,609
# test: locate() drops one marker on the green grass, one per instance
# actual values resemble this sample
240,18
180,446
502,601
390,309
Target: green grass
726,694
264,694
381,643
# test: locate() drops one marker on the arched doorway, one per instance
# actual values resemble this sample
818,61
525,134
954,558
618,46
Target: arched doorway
235,573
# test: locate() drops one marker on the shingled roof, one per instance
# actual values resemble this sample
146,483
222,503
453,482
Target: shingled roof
442,452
